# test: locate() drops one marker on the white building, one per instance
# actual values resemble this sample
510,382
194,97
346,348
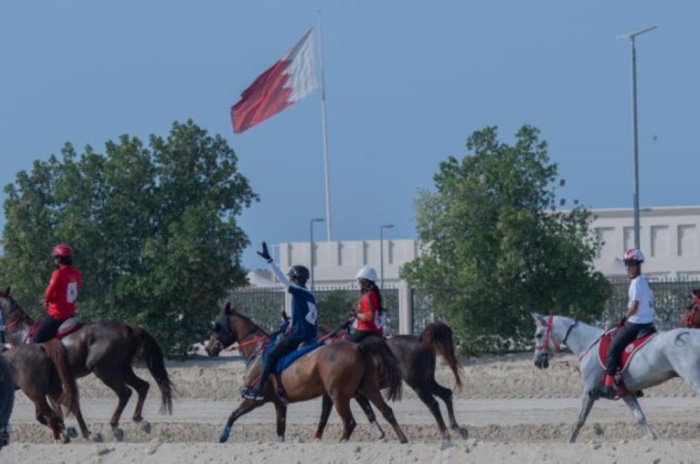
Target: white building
669,238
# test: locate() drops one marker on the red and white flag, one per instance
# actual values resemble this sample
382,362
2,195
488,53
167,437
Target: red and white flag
287,81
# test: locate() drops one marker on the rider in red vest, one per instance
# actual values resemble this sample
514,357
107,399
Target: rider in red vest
369,314
60,295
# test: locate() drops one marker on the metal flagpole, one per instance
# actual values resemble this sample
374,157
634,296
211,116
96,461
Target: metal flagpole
329,221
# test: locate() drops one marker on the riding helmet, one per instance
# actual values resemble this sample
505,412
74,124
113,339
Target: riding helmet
300,272
62,250
633,254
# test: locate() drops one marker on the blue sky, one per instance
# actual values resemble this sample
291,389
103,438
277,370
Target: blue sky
406,82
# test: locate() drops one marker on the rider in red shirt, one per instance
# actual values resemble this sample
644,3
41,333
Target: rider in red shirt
369,314
60,295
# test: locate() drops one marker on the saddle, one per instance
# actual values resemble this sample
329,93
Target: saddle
68,326
627,353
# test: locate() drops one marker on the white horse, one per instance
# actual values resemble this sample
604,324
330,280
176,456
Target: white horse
673,353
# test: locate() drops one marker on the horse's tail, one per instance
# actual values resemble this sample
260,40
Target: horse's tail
437,338
377,354
58,355
155,361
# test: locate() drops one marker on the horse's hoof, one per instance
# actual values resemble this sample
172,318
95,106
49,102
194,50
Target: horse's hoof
98,438
145,426
280,439
464,433
65,439
118,434
225,433
72,432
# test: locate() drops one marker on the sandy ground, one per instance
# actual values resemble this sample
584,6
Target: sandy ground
514,412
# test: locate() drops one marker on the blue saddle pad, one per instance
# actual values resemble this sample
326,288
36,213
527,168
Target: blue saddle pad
287,360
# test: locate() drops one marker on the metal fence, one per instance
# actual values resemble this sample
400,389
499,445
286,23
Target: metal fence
265,305
670,300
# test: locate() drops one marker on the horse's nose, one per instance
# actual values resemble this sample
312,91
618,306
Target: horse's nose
542,361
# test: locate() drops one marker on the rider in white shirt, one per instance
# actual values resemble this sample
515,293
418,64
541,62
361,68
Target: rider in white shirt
638,318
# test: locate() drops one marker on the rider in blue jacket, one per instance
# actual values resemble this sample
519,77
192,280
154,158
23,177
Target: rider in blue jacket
302,326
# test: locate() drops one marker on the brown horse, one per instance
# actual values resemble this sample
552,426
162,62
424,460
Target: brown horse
42,370
416,355
339,371
108,350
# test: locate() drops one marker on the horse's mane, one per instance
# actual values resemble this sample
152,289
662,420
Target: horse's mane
230,311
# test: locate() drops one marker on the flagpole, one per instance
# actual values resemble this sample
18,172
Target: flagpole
329,222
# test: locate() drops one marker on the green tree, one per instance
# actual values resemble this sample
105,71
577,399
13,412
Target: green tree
495,247
153,228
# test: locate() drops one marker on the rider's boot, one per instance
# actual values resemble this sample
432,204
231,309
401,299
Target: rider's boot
608,391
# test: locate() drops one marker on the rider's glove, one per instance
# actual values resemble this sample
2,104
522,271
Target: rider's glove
265,254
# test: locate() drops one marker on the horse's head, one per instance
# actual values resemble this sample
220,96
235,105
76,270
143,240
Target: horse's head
543,340
219,336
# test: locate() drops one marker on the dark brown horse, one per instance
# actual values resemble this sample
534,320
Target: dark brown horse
108,350
416,355
42,371
338,371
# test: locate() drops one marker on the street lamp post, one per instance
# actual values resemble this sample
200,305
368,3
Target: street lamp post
635,190
381,252
311,249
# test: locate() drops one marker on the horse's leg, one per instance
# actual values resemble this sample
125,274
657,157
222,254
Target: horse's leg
371,417
586,406
445,394
141,387
281,413
375,396
342,406
633,404
425,394
243,408
84,431
45,415
326,405
112,378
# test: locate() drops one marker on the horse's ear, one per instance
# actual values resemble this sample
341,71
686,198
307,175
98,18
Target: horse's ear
228,310
7,291
539,319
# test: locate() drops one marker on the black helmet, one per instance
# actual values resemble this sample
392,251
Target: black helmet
300,272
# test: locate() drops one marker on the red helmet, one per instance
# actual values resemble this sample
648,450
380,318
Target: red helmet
62,250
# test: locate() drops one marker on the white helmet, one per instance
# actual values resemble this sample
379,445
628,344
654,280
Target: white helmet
633,254
367,273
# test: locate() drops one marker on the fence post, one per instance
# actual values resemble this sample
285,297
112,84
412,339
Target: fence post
405,309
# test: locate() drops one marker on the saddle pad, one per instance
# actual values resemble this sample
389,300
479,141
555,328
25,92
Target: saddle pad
287,360
627,353
69,326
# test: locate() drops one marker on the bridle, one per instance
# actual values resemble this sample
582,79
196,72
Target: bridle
544,344
16,316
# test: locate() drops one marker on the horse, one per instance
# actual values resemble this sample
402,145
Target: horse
416,355
7,401
339,371
108,350
669,354
42,370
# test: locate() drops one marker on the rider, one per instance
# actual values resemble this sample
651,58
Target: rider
369,314
639,317
60,295
302,327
